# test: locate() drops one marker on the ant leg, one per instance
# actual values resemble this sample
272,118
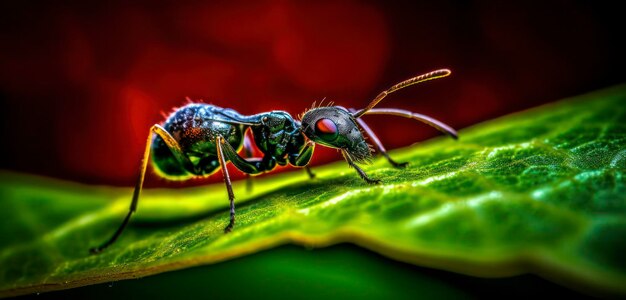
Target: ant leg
250,166
309,172
379,146
176,150
247,147
364,176
219,141
303,158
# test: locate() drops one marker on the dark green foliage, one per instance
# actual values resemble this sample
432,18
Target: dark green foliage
542,191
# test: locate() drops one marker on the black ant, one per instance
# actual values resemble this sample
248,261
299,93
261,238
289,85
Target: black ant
199,139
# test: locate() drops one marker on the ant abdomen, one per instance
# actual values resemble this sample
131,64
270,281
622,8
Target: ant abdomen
194,127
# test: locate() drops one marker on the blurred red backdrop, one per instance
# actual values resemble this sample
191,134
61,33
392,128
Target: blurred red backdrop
80,83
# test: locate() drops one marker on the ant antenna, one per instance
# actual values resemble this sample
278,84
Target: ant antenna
417,79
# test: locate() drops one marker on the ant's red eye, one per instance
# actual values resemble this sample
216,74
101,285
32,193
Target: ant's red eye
326,129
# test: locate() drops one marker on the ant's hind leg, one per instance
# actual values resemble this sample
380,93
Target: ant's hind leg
219,141
379,146
176,150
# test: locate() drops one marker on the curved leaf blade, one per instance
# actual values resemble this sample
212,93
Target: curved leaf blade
541,191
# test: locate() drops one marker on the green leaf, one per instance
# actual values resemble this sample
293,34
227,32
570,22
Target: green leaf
542,191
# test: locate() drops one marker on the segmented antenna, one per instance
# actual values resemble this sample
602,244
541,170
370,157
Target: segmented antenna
415,80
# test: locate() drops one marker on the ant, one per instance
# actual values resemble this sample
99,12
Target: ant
199,139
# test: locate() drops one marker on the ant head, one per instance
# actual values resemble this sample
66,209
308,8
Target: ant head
335,127
275,134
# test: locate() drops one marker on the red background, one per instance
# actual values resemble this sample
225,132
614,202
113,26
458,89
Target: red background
80,84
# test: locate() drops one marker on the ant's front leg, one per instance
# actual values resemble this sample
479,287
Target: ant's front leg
364,176
379,146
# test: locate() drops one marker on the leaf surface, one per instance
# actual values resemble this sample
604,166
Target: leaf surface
541,191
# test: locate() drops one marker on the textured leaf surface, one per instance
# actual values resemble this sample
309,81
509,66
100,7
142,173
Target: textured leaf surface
542,191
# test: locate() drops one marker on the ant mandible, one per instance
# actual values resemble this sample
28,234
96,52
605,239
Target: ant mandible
199,139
